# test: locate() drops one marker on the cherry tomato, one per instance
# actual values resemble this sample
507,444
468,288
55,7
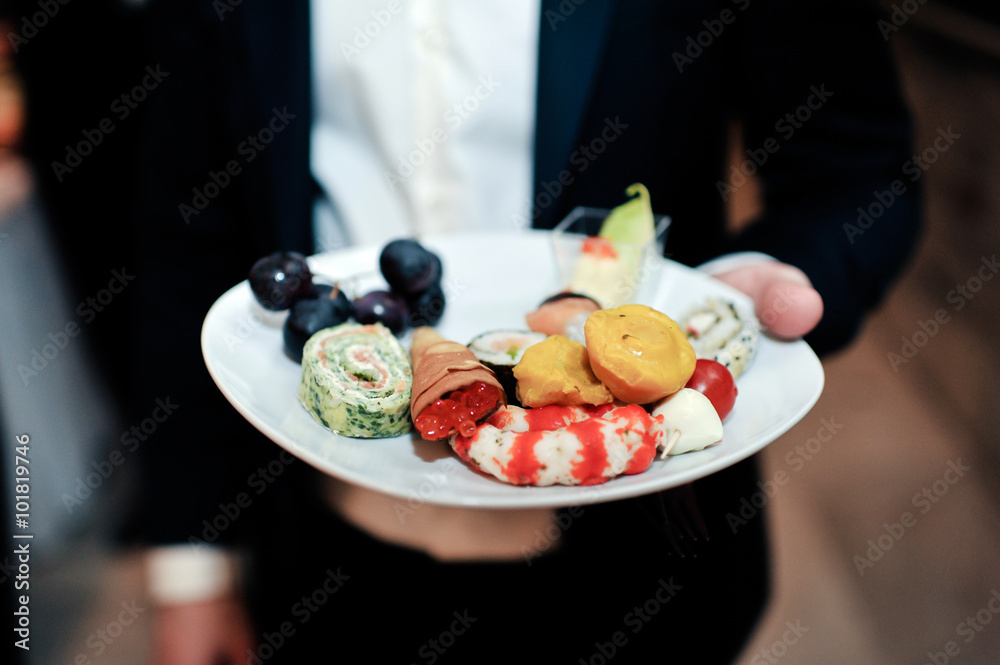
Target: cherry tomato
714,381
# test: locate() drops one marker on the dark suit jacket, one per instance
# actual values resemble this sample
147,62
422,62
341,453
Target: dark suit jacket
652,85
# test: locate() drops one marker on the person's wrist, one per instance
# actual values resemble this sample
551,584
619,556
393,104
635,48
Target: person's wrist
179,574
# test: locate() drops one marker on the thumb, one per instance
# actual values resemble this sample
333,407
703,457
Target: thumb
787,305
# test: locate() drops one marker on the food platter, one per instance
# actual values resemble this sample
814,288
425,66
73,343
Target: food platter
491,281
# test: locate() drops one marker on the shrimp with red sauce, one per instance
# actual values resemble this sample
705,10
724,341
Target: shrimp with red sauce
564,445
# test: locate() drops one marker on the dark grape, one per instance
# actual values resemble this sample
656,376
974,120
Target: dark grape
309,316
385,307
427,308
280,279
409,267
320,290
438,269
332,291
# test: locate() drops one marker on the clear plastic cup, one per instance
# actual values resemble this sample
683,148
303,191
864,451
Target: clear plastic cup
610,272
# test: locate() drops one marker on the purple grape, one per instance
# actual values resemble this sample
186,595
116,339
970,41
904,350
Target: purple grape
408,267
334,292
280,279
385,307
427,308
310,315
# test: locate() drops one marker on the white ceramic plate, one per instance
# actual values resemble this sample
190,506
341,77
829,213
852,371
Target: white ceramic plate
491,282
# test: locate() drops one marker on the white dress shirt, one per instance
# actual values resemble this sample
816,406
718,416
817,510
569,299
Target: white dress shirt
423,116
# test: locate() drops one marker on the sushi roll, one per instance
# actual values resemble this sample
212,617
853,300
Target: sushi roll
501,350
356,381
717,331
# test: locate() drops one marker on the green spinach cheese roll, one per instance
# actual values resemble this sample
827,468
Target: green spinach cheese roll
356,381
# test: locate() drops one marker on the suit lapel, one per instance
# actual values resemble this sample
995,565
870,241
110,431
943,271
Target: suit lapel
572,42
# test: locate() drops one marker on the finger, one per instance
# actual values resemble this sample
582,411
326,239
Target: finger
786,304
788,309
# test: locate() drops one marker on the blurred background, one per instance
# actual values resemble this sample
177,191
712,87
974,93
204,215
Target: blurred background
886,522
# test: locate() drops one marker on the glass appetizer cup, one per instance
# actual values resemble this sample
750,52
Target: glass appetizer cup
608,271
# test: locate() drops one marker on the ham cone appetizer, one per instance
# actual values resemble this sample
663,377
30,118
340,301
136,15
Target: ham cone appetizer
452,390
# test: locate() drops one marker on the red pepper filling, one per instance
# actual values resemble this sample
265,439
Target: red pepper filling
600,247
458,411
